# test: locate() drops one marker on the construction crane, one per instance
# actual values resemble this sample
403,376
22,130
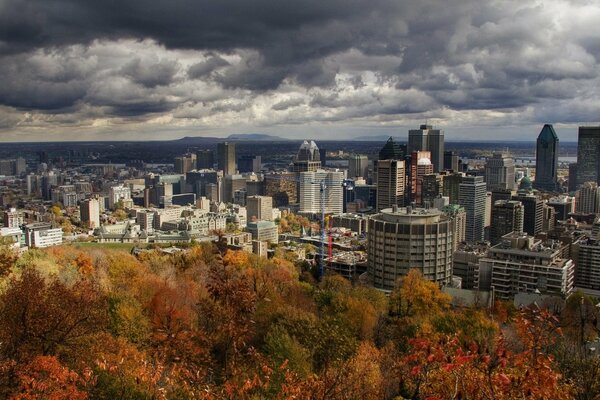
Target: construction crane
347,184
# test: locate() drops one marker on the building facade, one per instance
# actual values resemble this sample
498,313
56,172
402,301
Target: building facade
546,160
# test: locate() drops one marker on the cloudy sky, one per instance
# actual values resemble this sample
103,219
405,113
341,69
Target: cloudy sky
160,69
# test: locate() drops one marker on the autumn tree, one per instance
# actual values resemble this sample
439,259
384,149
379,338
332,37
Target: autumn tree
39,318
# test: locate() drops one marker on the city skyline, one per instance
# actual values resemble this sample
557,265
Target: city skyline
328,70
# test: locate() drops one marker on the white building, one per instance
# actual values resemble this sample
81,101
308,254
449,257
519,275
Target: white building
118,193
41,234
310,187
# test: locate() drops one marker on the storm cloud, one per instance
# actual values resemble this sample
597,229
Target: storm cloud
210,66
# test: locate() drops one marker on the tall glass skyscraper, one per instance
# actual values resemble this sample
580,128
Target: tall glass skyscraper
546,160
428,139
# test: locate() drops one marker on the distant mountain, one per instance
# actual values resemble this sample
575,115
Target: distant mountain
191,140
379,138
255,137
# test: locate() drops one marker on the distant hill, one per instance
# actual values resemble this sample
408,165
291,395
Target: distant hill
379,138
255,136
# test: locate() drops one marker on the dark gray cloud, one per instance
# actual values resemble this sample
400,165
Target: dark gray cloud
383,60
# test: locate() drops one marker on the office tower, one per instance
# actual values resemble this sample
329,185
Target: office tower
500,172
546,160
358,166
185,163
390,183
587,198
366,194
586,254
588,155
282,187
507,217
400,239
392,151
205,159
117,194
308,157
323,157
420,165
432,188
523,264
458,216
249,163
13,218
533,208
563,205
310,191
472,196
89,210
451,161
572,184
48,181
428,139
226,158
231,183
255,188
505,194
259,208
213,192
451,186
197,180
548,218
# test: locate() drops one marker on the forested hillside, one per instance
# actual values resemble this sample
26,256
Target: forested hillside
210,323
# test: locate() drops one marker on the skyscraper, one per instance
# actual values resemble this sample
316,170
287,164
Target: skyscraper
420,165
308,157
588,155
507,217
500,172
205,159
226,157
392,151
451,161
533,208
358,166
390,183
587,198
472,196
428,139
310,191
546,160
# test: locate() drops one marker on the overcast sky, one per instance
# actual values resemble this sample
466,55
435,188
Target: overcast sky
326,69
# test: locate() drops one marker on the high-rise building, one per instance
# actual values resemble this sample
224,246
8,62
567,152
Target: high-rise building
310,191
358,166
572,184
472,196
205,159
451,161
588,155
563,206
587,198
13,218
308,157
546,160
282,187
89,210
231,183
226,158
507,217
185,163
523,264
500,172
117,194
249,163
390,183
400,239
431,189
586,253
533,207
420,165
392,150
451,186
428,139
458,216
259,208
